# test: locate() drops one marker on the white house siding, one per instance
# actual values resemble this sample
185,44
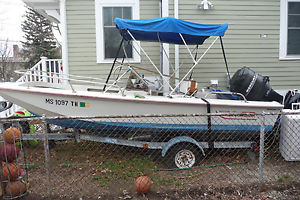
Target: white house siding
247,21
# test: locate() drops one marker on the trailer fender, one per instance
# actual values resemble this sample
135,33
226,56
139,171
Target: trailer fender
180,139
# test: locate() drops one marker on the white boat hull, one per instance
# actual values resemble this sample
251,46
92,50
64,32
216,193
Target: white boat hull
59,102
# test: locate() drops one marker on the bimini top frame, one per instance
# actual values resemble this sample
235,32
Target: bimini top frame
169,30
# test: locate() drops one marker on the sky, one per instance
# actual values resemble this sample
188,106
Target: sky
11,16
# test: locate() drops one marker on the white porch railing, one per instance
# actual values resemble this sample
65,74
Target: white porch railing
46,70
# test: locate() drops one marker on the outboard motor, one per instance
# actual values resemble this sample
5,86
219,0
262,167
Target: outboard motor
253,86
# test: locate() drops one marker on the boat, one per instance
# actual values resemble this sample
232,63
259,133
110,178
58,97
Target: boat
88,97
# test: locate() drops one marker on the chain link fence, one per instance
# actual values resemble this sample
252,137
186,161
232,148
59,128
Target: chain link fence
101,157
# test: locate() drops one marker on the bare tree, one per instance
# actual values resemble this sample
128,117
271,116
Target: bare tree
5,60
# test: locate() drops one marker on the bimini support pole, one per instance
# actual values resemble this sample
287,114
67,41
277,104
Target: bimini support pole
113,65
196,63
163,77
185,44
225,60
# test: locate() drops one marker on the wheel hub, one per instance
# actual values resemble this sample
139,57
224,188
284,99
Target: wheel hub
185,159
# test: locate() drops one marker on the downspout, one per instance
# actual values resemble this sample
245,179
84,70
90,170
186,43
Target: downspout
176,51
63,21
165,69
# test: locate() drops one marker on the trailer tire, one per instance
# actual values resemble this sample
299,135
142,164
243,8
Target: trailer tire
183,155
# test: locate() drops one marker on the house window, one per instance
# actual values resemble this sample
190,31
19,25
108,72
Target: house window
290,29
108,37
112,37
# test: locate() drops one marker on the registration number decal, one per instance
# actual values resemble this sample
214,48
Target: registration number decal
62,102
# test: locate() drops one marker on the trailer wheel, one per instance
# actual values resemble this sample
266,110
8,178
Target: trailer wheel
183,156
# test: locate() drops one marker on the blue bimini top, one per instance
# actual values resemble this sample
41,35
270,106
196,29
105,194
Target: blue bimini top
167,30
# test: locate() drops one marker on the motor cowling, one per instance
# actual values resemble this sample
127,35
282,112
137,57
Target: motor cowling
253,86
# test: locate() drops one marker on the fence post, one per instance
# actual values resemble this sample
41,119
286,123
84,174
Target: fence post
46,151
44,69
261,149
